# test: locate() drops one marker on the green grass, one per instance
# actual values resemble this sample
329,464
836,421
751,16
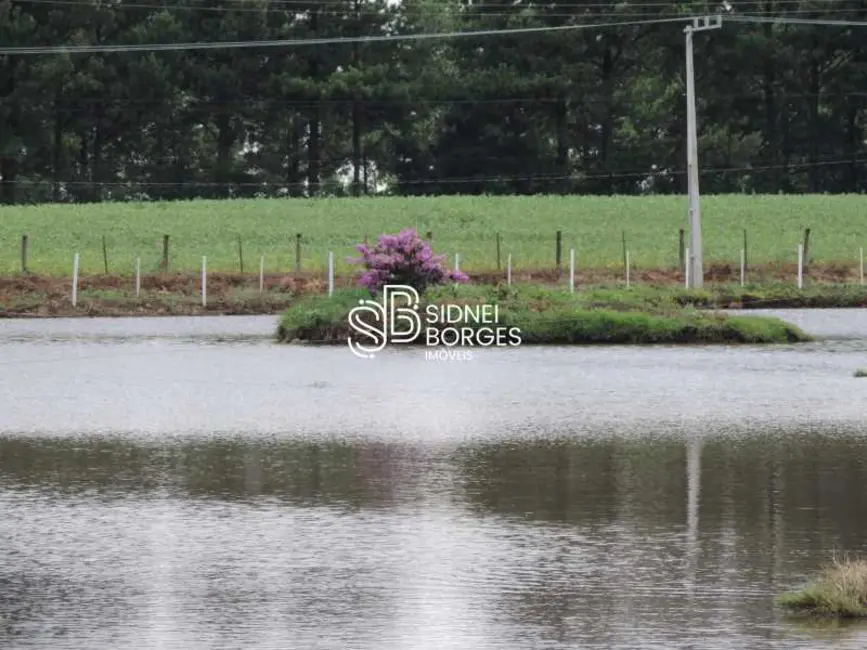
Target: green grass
840,591
551,316
464,225
769,296
112,302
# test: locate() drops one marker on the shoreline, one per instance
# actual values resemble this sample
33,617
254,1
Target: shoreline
232,294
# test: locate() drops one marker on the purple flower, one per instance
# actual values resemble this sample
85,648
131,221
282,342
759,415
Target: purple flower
404,258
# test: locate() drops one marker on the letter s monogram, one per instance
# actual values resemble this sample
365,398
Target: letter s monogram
367,329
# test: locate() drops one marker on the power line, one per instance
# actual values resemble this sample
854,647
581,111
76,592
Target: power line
163,47
576,176
77,104
635,10
783,20
303,6
340,8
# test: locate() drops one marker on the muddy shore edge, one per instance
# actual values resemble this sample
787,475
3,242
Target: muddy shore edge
179,294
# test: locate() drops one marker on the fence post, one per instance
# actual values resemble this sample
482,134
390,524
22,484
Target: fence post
509,270
686,269
330,273
571,270
558,252
75,280
800,266
627,269
681,258
104,255
240,254
24,253
298,252
165,253
261,275
806,246
623,244
137,276
204,281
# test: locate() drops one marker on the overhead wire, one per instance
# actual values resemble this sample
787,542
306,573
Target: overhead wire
634,10
576,176
785,20
247,100
302,6
295,42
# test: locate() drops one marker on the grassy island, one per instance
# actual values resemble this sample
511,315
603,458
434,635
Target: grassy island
839,591
553,316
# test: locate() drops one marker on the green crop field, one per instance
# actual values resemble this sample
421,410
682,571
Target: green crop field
594,226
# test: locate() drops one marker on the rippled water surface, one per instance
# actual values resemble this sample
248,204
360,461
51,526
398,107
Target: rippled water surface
187,484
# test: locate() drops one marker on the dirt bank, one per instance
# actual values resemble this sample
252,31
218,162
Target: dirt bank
232,293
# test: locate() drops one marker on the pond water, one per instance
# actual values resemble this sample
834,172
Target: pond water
187,483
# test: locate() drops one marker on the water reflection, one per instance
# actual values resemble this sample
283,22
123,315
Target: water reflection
186,484
648,541
300,473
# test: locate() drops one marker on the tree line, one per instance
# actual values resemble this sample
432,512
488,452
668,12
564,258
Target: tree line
781,107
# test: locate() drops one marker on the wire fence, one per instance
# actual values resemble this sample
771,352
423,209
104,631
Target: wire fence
492,257
253,286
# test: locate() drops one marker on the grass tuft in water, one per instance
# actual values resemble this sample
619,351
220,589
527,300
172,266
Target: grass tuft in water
839,591
861,372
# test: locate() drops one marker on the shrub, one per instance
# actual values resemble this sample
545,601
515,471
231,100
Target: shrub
405,259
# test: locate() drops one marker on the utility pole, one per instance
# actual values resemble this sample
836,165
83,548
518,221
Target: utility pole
696,268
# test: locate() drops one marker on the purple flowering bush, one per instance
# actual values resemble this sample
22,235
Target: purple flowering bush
406,259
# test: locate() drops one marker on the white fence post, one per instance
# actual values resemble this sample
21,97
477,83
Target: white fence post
743,267
330,273
261,275
137,276
861,251
571,270
75,280
686,270
204,281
